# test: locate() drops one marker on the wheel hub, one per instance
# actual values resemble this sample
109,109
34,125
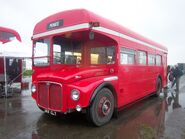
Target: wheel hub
104,106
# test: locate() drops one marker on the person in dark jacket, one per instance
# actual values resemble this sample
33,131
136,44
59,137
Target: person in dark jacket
177,73
170,76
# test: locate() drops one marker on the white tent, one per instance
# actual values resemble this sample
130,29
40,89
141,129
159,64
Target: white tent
13,49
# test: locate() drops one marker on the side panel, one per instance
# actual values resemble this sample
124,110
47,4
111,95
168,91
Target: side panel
133,78
128,84
152,76
134,83
137,81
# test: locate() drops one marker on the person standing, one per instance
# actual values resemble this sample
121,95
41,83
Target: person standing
170,77
177,73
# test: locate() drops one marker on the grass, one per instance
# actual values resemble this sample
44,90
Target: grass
146,132
27,73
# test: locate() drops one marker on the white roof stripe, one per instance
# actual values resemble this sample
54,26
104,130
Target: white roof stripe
61,30
112,32
101,29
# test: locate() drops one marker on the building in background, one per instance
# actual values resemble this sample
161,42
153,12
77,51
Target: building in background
182,66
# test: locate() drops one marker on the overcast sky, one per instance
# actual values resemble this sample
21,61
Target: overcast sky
162,21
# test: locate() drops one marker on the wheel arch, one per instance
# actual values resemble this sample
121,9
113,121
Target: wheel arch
159,85
159,77
104,85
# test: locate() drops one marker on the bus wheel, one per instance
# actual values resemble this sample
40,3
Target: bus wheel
102,108
158,87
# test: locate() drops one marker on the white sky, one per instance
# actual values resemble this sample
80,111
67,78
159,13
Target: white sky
162,21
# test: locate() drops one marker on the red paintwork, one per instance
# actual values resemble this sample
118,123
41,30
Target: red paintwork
4,29
8,30
135,81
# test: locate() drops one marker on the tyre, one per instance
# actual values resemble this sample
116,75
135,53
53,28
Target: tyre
102,107
158,87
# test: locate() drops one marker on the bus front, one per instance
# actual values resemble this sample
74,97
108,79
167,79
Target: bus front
69,64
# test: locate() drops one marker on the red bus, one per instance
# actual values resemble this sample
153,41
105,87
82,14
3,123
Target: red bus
7,34
84,62
13,65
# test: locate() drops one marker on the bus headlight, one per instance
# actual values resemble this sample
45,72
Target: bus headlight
33,88
75,94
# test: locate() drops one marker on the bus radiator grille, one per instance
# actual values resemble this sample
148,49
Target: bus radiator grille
50,96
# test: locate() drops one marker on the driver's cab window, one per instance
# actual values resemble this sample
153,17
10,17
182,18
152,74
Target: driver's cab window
102,55
56,53
66,51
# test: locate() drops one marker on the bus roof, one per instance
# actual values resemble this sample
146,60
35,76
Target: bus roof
8,30
80,18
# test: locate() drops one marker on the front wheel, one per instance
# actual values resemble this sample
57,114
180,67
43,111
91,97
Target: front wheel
102,108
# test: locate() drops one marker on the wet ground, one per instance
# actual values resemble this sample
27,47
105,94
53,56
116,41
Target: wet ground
151,118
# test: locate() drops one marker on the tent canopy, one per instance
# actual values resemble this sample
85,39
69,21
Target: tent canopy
15,49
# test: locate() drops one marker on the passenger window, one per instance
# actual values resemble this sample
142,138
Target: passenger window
158,60
151,59
127,56
142,57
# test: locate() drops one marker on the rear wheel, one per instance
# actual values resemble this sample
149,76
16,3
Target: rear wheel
102,108
158,87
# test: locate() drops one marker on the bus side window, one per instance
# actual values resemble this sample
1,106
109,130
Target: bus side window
141,57
151,59
127,56
158,60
